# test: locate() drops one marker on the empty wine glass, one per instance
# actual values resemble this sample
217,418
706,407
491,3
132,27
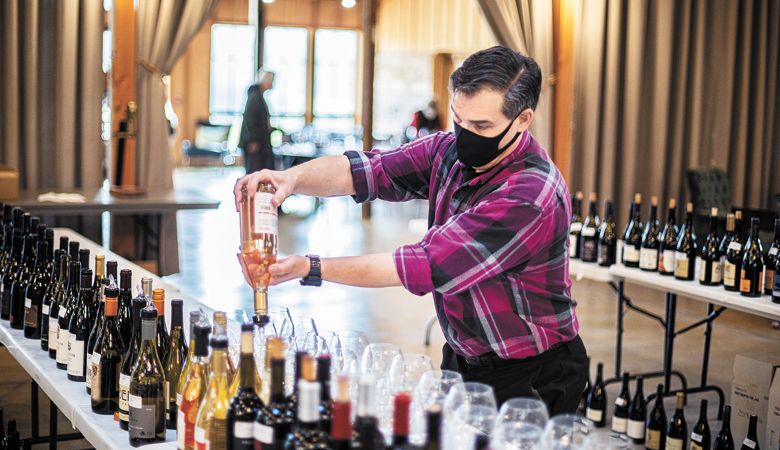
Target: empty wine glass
519,425
299,326
407,370
469,413
431,391
607,441
377,361
336,352
279,319
314,345
566,432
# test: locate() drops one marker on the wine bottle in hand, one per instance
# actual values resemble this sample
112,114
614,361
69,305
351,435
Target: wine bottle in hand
656,423
597,400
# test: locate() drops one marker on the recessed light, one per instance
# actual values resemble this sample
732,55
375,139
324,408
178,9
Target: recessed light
348,3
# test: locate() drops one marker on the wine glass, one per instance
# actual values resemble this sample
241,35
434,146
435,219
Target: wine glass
314,345
429,392
407,370
299,326
607,441
377,361
469,413
566,432
336,352
279,316
519,425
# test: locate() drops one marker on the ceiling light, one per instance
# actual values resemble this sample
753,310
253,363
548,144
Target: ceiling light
348,3
268,1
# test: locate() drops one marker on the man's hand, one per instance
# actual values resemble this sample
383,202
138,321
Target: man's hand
289,268
283,181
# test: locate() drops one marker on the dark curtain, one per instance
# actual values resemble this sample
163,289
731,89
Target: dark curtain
665,85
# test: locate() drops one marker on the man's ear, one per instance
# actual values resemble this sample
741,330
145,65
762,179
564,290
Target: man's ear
525,118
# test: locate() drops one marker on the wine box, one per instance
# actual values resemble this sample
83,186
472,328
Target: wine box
773,414
750,385
9,183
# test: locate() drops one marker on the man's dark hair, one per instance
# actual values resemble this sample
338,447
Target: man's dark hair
503,70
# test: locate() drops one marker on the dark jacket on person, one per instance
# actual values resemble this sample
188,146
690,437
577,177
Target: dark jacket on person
256,128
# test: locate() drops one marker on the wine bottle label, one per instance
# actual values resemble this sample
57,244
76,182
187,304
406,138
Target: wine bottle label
630,254
681,265
201,443
648,259
696,446
594,414
696,437
45,310
573,242
77,355
265,214
575,227
63,312
619,424
588,232
666,263
653,440
124,392
674,444
54,331
167,397
95,377
264,434
27,302
735,246
772,251
588,251
143,419
729,274
244,430
178,400
744,285
62,349
769,278
620,401
636,429
749,443
30,314
89,371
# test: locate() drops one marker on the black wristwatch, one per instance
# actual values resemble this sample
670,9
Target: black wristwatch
314,278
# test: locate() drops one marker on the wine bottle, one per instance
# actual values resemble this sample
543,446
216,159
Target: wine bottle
752,278
700,436
771,259
33,303
648,253
128,363
732,266
607,237
576,226
622,408
12,438
177,354
97,331
10,270
245,404
275,419
259,231
46,304
588,236
195,318
656,423
146,396
401,404
54,308
211,424
235,385
2,429
306,433
667,241
194,388
16,296
366,427
221,329
776,285
633,236
685,258
124,316
107,357
433,428
597,400
582,407
163,338
323,378
751,440
724,440
98,283
677,435
341,426
111,274
709,256
78,331
637,417
146,288
304,370
67,306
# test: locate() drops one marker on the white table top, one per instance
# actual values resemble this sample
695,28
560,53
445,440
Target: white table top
759,306
71,397
580,270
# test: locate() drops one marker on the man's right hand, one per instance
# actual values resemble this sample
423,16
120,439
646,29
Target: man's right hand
283,181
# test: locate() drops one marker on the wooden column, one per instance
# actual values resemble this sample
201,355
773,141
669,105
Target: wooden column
367,109
443,67
123,83
563,49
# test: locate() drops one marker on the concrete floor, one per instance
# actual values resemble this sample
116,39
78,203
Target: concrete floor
209,271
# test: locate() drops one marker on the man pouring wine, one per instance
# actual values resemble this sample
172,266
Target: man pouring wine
495,254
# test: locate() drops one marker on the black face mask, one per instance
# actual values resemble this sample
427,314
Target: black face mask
475,150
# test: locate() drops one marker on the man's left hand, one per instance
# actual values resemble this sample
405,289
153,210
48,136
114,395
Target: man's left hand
289,268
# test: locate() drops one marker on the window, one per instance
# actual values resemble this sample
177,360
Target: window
232,68
285,53
335,80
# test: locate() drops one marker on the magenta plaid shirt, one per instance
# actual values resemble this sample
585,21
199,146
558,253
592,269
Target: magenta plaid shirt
495,255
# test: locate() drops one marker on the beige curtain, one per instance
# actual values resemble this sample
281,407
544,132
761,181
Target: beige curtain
662,86
164,29
52,87
526,26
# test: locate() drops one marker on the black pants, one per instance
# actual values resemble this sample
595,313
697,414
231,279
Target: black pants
556,376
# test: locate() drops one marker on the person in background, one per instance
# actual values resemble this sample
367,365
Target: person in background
256,128
426,121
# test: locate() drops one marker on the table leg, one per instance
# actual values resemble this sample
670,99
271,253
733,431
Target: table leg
52,426
34,408
160,243
619,330
671,312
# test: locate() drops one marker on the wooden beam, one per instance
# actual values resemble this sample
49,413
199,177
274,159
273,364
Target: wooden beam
123,84
563,49
443,66
367,109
